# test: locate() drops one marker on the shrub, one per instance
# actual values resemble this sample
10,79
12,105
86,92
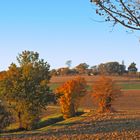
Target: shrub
105,92
70,94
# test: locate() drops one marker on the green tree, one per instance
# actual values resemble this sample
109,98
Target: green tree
111,68
25,88
5,116
68,63
124,12
132,68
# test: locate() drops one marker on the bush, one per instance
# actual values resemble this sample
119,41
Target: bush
70,94
105,92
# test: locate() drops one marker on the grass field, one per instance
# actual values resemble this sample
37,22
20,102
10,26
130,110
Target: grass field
123,124
124,83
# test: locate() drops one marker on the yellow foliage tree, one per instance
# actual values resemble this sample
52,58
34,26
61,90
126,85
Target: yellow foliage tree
105,92
70,94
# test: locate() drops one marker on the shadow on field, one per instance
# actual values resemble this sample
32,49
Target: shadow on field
104,126
90,127
49,121
13,130
52,121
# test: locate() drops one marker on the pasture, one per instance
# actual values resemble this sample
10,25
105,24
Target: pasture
124,123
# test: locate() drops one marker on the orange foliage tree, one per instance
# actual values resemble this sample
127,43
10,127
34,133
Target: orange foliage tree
105,92
70,94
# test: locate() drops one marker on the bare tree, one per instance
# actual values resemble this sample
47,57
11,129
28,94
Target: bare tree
125,12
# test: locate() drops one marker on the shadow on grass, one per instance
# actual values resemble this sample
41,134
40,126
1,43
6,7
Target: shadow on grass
104,126
53,121
13,130
69,123
49,121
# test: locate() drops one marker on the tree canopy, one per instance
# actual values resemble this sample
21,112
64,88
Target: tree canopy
25,87
70,94
105,92
125,12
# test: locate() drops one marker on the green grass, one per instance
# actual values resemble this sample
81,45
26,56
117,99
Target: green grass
47,124
62,124
124,86
54,86
129,86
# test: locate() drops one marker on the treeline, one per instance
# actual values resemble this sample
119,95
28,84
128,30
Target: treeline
109,68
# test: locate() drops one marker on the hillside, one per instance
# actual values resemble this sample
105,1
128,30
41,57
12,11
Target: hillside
123,124
120,125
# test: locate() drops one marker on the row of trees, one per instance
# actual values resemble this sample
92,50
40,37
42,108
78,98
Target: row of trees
24,92
103,68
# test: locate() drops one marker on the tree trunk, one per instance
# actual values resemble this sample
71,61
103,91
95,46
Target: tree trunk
72,110
20,121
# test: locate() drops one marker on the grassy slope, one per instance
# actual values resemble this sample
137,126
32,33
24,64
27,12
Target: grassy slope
88,126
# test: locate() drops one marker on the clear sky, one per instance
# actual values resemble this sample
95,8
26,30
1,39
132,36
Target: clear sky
62,30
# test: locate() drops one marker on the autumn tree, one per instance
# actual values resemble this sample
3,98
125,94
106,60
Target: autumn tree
105,92
5,115
124,12
70,94
82,68
63,71
25,88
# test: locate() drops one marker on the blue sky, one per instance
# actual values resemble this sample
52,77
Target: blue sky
60,31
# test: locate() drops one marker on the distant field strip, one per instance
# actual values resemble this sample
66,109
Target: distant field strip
128,86
123,85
